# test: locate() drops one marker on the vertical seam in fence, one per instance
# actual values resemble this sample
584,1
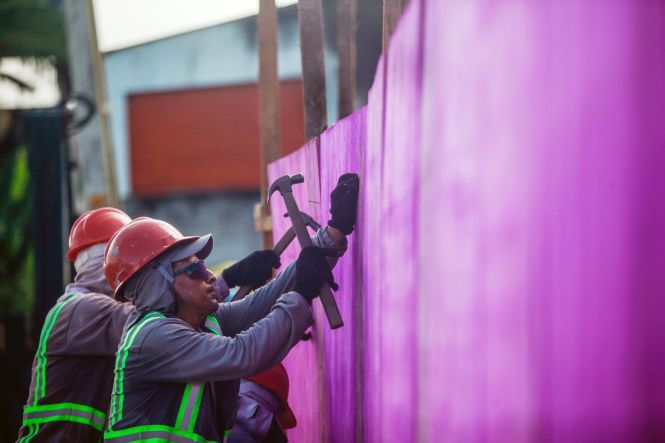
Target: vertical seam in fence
384,95
358,305
416,200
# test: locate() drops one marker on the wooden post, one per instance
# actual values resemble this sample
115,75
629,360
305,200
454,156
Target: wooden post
392,10
310,15
268,110
346,52
102,109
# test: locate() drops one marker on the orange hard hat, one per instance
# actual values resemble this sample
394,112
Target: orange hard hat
276,380
96,226
138,243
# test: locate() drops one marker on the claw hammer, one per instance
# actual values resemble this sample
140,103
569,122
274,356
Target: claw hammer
279,247
284,185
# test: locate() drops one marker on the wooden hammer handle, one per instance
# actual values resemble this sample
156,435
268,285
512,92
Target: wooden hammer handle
325,294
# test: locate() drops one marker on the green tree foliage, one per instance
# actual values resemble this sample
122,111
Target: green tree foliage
31,28
16,259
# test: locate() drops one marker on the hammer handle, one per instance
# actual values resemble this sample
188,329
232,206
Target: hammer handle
242,292
330,306
325,294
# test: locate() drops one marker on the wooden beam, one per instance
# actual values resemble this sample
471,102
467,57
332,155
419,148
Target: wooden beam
102,110
392,10
310,15
346,52
268,110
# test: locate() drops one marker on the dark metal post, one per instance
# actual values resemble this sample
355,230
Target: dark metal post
46,160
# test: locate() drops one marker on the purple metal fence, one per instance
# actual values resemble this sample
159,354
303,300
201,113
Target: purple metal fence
505,283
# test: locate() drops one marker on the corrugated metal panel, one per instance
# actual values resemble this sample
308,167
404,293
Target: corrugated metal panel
205,139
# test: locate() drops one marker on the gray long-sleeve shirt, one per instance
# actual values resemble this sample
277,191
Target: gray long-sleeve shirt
164,366
72,372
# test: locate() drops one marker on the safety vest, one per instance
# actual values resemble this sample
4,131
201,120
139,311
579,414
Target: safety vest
58,409
186,427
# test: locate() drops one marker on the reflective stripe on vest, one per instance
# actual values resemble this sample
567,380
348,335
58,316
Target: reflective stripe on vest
153,433
118,397
37,414
40,367
213,324
190,404
72,412
32,431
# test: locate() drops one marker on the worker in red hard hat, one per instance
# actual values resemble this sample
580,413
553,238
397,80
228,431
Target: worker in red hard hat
263,408
182,353
73,369
72,373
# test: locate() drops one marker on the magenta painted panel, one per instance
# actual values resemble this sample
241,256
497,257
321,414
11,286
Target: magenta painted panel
301,363
505,283
340,150
370,222
398,243
541,222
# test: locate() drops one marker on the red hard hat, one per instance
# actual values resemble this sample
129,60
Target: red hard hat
96,226
138,243
276,380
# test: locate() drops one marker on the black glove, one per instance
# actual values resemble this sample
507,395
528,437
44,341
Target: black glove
255,269
344,203
312,269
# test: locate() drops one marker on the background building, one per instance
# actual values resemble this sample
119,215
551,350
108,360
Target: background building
184,124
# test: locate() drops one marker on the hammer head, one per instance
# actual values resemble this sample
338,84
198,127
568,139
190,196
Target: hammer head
283,184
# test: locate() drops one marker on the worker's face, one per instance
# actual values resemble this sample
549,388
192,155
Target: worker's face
193,288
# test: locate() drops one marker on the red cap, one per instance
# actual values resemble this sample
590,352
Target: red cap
276,380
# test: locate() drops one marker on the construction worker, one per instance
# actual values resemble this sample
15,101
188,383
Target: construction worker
182,353
264,412
72,373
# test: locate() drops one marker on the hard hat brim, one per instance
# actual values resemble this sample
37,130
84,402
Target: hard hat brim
201,247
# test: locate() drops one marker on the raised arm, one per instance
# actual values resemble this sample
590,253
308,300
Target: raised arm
237,316
172,352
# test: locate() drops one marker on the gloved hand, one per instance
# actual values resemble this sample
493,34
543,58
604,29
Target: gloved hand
255,269
344,203
312,269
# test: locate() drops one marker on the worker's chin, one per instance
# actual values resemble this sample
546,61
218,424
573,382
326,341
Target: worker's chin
212,307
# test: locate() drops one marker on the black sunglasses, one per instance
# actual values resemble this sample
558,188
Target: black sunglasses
195,271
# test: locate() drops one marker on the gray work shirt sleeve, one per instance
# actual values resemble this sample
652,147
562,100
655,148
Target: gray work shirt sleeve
237,316
174,352
95,325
